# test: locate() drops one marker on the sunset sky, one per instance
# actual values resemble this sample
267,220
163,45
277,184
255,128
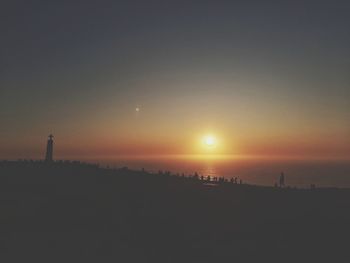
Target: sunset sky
268,78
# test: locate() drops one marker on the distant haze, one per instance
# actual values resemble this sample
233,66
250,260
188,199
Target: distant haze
152,77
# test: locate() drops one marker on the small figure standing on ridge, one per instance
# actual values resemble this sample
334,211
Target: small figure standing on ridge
282,180
49,149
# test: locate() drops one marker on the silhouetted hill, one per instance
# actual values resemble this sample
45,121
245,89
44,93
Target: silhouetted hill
74,212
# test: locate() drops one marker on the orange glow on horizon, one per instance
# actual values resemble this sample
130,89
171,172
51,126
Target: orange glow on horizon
179,144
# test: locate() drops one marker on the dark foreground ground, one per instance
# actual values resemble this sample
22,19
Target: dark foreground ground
75,213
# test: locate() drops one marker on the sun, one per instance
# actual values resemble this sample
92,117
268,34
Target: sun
210,145
209,141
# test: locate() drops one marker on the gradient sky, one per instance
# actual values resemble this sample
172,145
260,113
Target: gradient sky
265,77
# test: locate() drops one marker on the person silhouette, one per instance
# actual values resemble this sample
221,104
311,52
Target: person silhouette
282,180
195,176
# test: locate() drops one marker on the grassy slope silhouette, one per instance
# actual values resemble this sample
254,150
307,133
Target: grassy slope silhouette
73,212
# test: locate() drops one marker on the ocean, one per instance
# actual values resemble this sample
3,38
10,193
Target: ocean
257,171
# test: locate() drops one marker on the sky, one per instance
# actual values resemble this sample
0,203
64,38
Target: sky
267,78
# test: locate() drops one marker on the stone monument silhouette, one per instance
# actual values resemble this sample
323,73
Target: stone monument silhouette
49,149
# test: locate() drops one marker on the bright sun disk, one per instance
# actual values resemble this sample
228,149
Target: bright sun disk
209,140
